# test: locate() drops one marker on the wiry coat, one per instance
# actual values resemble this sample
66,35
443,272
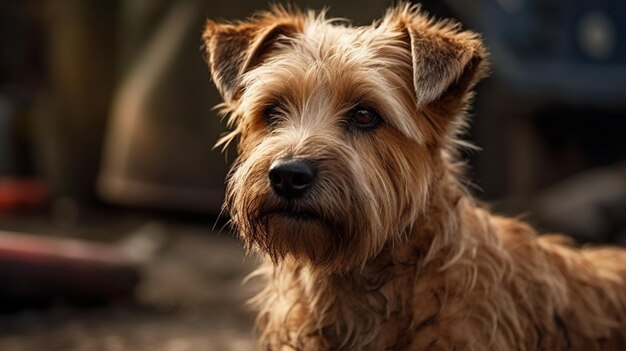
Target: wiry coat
388,250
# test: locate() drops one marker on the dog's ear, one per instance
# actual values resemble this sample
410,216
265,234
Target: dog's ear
447,61
234,48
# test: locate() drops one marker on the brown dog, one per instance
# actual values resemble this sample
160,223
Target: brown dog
347,181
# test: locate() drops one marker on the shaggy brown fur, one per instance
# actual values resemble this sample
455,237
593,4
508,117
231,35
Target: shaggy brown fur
387,250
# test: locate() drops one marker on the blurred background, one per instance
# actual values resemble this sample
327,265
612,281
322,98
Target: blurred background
110,190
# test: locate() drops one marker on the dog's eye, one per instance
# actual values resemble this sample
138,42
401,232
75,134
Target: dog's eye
364,118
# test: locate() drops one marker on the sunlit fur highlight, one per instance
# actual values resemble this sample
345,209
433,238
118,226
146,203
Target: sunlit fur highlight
397,254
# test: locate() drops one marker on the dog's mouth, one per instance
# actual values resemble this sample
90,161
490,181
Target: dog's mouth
292,211
298,229
294,214
298,215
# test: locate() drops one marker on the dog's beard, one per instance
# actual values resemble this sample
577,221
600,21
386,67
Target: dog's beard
322,230
318,240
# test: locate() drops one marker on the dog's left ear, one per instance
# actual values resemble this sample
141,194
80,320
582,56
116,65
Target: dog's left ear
233,49
447,61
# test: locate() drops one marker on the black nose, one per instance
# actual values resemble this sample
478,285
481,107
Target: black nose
290,179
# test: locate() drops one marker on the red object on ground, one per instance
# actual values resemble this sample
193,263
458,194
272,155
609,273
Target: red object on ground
17,193
33,267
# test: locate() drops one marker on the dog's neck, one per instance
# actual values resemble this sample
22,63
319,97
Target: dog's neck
368,291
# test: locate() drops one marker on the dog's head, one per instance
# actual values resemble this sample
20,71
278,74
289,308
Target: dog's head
342,131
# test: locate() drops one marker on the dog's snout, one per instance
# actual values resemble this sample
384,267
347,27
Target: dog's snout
291,178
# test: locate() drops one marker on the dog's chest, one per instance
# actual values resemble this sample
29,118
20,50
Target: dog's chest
346,314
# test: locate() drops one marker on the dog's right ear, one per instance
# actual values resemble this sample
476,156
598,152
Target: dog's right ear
234,48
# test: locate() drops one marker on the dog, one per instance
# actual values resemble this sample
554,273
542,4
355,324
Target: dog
348,183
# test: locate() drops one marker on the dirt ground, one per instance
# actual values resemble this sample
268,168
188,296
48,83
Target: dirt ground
191,295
